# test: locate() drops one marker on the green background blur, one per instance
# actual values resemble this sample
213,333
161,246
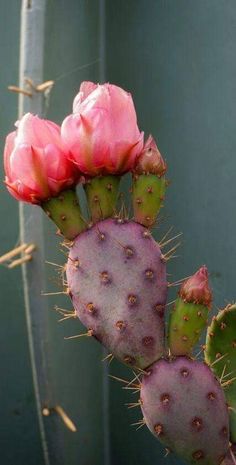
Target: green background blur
178,59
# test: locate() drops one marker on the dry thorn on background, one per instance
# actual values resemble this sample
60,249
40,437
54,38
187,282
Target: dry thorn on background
31,88
25,250
62,414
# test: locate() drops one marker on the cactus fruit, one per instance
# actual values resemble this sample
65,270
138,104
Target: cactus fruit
117,281
102,192
189,314
184,406
220,353
149,184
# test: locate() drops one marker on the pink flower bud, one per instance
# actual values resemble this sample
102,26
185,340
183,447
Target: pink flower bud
150,160
196,288
36,161
102,133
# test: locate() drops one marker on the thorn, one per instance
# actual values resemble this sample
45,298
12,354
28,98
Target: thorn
169,254
62,414
229,382
109,357
163,244
218,360
140,422
168,451
222,374
54,293
133,405
67,317
165,236
88,334
119,379
55,264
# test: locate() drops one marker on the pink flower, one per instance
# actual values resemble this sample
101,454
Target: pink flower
35,161
102,133
196,288
150,160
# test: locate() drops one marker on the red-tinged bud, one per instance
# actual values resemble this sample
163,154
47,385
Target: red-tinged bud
196,288
150,160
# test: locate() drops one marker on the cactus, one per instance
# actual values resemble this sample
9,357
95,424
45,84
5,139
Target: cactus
148,189
65,212
117,282
184,407
116,273
189,313
220,353
101,195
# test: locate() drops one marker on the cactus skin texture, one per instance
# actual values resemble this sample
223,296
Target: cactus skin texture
65,211
189,314
148,193
102,193
221,342
117,281
184,407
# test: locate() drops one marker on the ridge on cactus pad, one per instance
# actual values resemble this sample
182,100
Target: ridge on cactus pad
220,353
184,407
117,281
189,313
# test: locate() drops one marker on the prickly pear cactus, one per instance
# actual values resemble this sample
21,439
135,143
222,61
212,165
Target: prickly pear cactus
184,407
116,272
220,353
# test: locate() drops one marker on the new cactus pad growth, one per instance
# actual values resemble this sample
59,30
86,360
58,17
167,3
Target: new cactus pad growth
184,407
117,280
220,353
189,313
102,192
149,184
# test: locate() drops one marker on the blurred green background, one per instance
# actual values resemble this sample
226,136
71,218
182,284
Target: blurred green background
177,58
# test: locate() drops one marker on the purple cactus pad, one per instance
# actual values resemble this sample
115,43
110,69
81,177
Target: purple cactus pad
184,406
117,280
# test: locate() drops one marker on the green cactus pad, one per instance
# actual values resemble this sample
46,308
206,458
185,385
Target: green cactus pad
65,211
148,192
187,321
220,353
102,195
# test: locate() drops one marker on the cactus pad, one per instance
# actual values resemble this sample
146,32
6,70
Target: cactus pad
184,406
220,353
117,280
